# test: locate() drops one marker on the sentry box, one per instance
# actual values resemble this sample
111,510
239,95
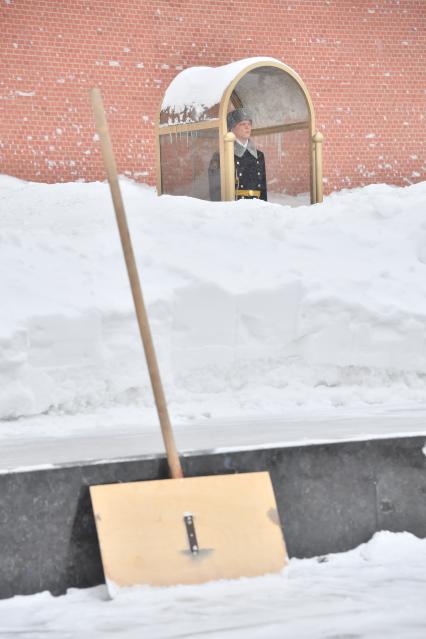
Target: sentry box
192,129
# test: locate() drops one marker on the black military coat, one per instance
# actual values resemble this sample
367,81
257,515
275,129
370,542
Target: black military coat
250,173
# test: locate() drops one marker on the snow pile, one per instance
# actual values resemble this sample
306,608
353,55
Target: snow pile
254,307
374,591
203,87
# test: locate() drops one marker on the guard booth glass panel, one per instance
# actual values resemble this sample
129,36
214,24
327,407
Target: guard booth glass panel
273,97
185,161
287,166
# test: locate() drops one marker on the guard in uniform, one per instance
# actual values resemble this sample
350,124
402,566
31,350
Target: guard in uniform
250,173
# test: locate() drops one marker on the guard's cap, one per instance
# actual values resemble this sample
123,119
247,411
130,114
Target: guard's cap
236,116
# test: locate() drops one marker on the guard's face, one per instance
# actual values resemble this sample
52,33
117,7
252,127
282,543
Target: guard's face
242,130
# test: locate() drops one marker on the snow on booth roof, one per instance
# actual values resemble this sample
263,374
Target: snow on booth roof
195,94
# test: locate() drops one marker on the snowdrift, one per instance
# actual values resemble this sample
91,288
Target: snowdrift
373,591
254,306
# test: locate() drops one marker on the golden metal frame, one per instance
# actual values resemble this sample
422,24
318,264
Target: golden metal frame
227,168
318,141
280,128
229,161
166,129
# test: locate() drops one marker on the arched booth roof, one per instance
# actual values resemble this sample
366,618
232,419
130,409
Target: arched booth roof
195,105
198,94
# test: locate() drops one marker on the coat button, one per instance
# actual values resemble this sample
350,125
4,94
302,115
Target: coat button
258,173
237,162
240,174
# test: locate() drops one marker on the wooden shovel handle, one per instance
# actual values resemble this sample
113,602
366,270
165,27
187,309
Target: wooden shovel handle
142,317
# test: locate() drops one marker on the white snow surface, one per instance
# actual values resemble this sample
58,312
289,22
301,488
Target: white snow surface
255,308
376,590
203,87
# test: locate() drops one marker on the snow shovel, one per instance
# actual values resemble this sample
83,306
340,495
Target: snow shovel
179,530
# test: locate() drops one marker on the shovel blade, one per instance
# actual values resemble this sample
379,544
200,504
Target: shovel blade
188,531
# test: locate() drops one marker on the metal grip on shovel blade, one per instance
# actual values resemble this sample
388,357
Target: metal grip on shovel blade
190,531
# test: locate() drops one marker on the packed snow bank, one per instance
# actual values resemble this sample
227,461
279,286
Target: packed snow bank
253,305
376,590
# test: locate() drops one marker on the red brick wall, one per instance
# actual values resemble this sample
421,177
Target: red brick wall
362,60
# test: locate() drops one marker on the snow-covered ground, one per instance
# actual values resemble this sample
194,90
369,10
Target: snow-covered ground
294,318
375,591
256,308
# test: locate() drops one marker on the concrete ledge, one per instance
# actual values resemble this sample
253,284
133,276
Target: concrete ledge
331,497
